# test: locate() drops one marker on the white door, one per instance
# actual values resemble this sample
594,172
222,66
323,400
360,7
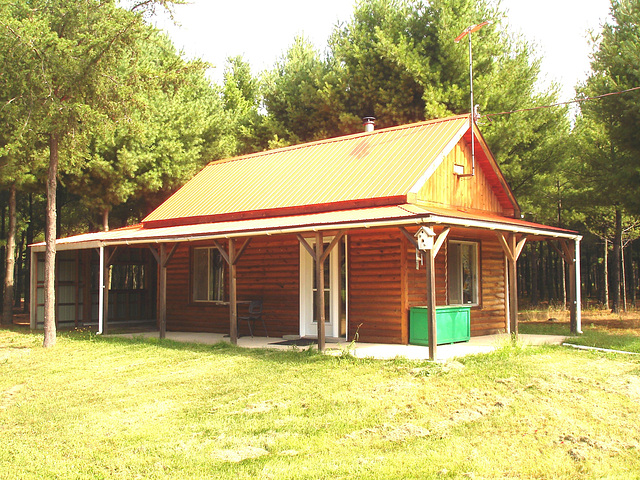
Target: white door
308,325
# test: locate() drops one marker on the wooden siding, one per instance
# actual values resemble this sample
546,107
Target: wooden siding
383,285
445,189
490,315
268,269
375,299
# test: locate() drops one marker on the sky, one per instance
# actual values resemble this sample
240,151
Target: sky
262,30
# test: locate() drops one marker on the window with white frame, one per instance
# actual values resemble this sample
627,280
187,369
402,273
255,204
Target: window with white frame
463,273
208,275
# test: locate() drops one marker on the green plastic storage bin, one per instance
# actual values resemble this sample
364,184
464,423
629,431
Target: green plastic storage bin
453,324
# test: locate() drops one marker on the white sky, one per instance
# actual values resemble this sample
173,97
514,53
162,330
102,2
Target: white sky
262,30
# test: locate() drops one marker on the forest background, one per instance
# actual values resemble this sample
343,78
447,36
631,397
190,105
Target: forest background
102,119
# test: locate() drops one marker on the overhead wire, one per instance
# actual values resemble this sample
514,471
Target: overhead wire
559,104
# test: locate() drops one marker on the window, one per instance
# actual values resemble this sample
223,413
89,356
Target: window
208,275
463,273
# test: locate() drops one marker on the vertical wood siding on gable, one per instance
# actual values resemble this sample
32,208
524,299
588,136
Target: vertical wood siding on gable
445,189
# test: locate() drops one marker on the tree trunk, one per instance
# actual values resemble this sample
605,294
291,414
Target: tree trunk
50,239
544,270
534,276
27,283
605,273
623,278
17,297
3,248
10,260
105,219
615,264
587,271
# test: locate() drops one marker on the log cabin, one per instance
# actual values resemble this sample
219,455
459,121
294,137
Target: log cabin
339,239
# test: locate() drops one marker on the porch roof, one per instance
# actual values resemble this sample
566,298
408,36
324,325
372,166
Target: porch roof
383,216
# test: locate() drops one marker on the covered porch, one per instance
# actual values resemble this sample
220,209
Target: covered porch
390,269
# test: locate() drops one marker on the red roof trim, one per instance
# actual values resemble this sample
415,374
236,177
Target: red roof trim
279,212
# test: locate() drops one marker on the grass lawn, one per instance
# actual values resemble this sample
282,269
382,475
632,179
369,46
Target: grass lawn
600,328
113,408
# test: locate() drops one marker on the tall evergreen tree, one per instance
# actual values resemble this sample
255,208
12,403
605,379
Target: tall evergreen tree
607,128
77,69
397,60
242,99
180,128
303,96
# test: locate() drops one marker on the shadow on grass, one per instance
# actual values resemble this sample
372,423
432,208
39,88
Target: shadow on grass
294,355
545,328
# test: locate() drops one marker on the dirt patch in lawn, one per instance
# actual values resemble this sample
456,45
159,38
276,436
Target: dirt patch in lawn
9,396
392,433
240,454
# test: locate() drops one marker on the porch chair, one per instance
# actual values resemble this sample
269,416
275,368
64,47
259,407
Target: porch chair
254,315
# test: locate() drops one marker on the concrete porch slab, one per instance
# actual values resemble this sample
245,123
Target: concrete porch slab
476,345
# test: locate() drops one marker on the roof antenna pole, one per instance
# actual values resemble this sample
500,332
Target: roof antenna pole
472,117
473,113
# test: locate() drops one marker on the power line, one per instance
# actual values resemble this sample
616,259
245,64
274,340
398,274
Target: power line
577,100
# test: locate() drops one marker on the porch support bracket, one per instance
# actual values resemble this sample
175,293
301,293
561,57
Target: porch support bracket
512,248
163,258
427,242
319,256
232,256
437,244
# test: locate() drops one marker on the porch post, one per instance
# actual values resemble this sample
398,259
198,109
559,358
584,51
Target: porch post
575,290
512,249
572,292
513,285
162,314
233,301
231,257
163,260
87,299
107,282
431,302
33,303
429,245
101,292
320,291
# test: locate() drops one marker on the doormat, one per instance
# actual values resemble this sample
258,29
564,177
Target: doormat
300,342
